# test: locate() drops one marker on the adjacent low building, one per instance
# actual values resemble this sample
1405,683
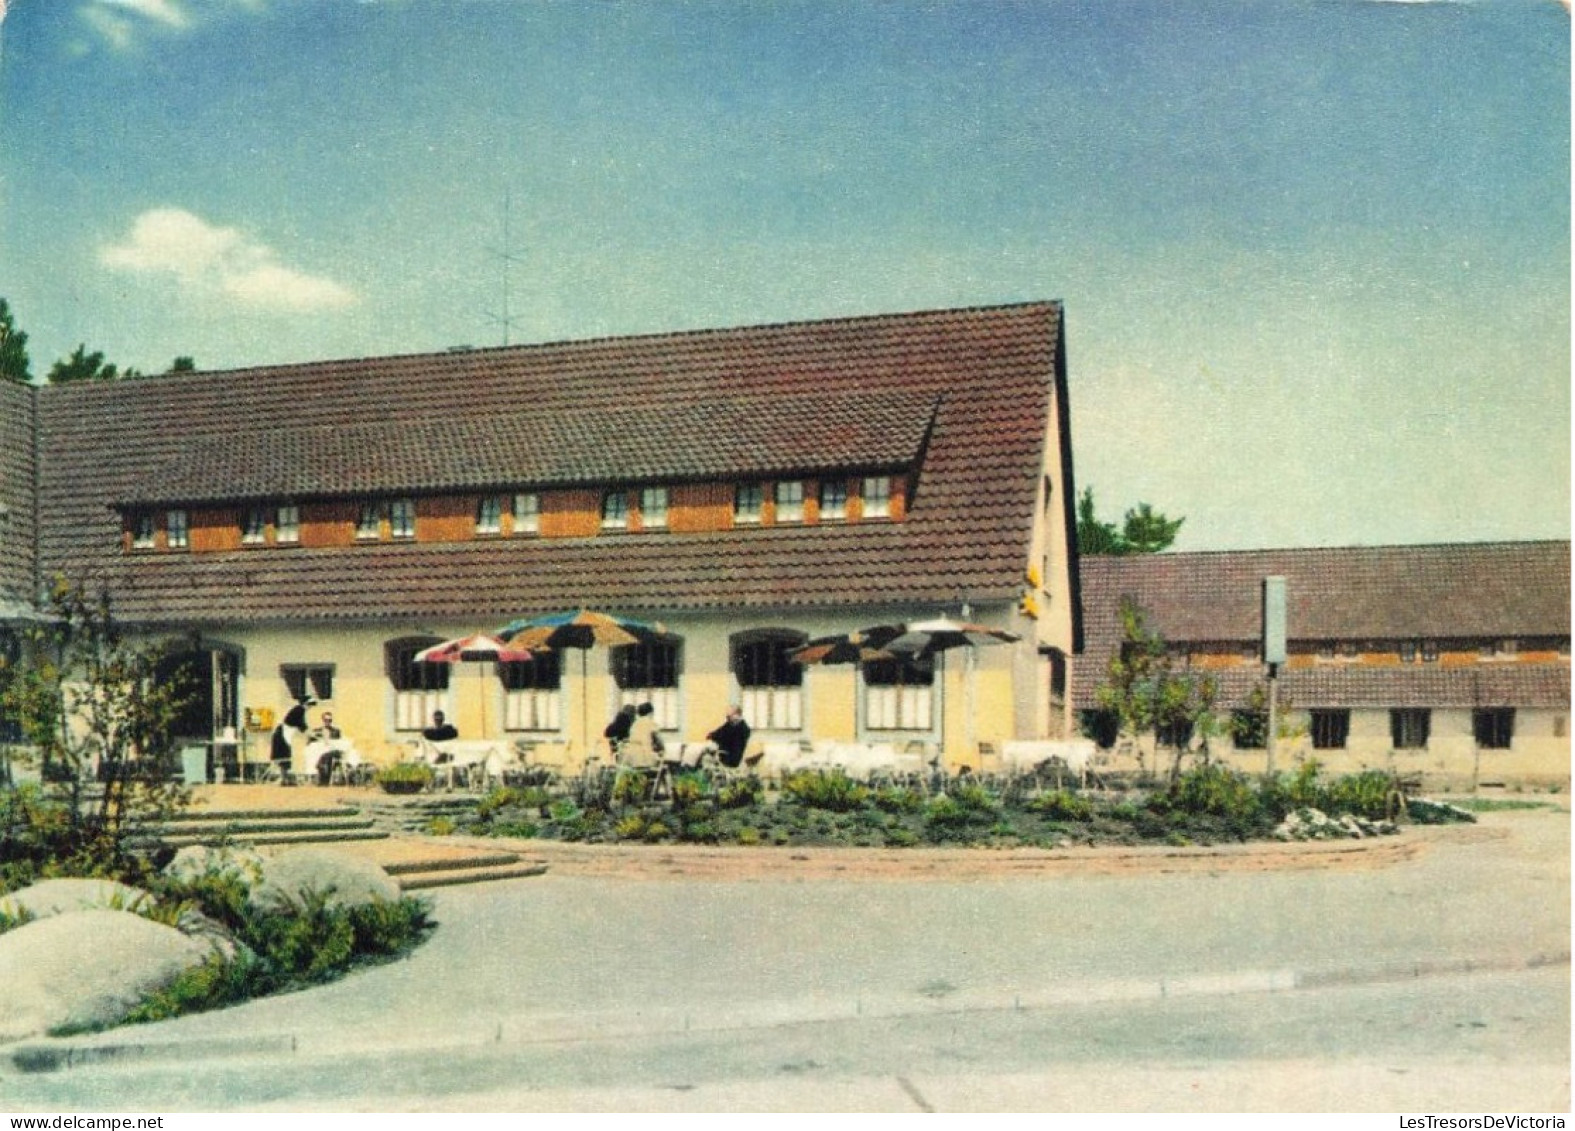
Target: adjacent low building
1447,661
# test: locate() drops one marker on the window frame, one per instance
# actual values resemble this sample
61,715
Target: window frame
654,502
177,532
303,678
1493,728
287,524
833,500
402,519
615,510
788,495
1410,728
143,530
254,526
526,512
749,504
489,515
1324,723
369,522
875,496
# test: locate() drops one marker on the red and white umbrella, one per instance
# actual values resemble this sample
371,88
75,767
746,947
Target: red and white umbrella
477,648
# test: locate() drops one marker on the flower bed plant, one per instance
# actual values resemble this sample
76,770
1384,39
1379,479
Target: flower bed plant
1206,805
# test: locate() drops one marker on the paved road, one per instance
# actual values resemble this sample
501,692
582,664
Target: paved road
1442,976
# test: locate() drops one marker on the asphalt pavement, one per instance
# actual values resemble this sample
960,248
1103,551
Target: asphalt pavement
1442,977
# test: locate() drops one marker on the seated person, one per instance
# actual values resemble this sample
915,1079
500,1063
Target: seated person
731,738
441,730
329,736
643,748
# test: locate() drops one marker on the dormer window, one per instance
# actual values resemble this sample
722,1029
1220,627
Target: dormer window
748,503
527,513
877,497
653,508
369,522
790,501
254,526
615,511
833,500
177,530
287,524
402,518
142,531
489,515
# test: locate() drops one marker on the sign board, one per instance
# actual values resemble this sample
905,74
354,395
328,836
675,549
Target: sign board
1274,620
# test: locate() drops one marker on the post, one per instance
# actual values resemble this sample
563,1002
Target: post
1273,654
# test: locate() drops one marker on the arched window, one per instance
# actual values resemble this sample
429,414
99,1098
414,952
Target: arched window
419,689
770,684
533,693
648,673
899,693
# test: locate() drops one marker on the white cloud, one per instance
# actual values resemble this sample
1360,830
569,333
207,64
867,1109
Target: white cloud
165,12
120,24
213,260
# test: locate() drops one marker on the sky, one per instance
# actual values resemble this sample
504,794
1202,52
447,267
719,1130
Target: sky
1314,254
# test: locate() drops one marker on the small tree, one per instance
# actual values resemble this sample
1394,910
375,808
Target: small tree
1144,689
14,365
1143,530
91,703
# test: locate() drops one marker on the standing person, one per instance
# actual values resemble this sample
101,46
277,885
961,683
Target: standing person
643,748
731,738
617,732
290,728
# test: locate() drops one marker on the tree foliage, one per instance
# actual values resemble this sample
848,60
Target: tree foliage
1143,529
14,364
92,705
1151,693
85,366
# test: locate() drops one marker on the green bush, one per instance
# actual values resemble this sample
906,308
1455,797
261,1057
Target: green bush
1061,805
689,787
742,793
1213,790
898,799
831,790
1372,794
405,777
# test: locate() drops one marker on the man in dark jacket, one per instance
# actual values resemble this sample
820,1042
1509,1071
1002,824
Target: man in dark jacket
731,738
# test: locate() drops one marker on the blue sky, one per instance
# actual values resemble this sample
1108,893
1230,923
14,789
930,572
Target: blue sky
1314,253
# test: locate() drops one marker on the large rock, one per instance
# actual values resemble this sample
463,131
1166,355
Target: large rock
198,860
57,897
346,880
86,969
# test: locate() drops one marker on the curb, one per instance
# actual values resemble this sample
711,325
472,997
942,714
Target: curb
62,1054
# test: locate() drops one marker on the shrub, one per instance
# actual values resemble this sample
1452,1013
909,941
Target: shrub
404,777
743,793
748,836
689,787
898,799
1214,790
441,826
631,787
824,789
1372,794
631,827
1061,805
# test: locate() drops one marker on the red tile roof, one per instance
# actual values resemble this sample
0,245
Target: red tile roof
972,387
1461,592
16,498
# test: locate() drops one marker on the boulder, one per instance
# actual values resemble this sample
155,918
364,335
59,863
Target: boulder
86,969
347,880
198,860
57,897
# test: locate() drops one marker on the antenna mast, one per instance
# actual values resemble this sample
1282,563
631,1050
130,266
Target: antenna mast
507,256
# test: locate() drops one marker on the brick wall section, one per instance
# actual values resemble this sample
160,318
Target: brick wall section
17,532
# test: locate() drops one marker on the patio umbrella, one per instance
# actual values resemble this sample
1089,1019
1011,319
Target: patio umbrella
583,629
478,648
849,647
937,637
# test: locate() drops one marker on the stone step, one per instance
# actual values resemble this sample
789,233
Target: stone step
305,813
457,863
284,824
449,876
277,838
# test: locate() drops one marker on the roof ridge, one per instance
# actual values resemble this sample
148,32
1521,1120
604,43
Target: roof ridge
1171,555
698,333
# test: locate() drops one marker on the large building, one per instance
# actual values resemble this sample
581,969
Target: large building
1451,661
307,529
